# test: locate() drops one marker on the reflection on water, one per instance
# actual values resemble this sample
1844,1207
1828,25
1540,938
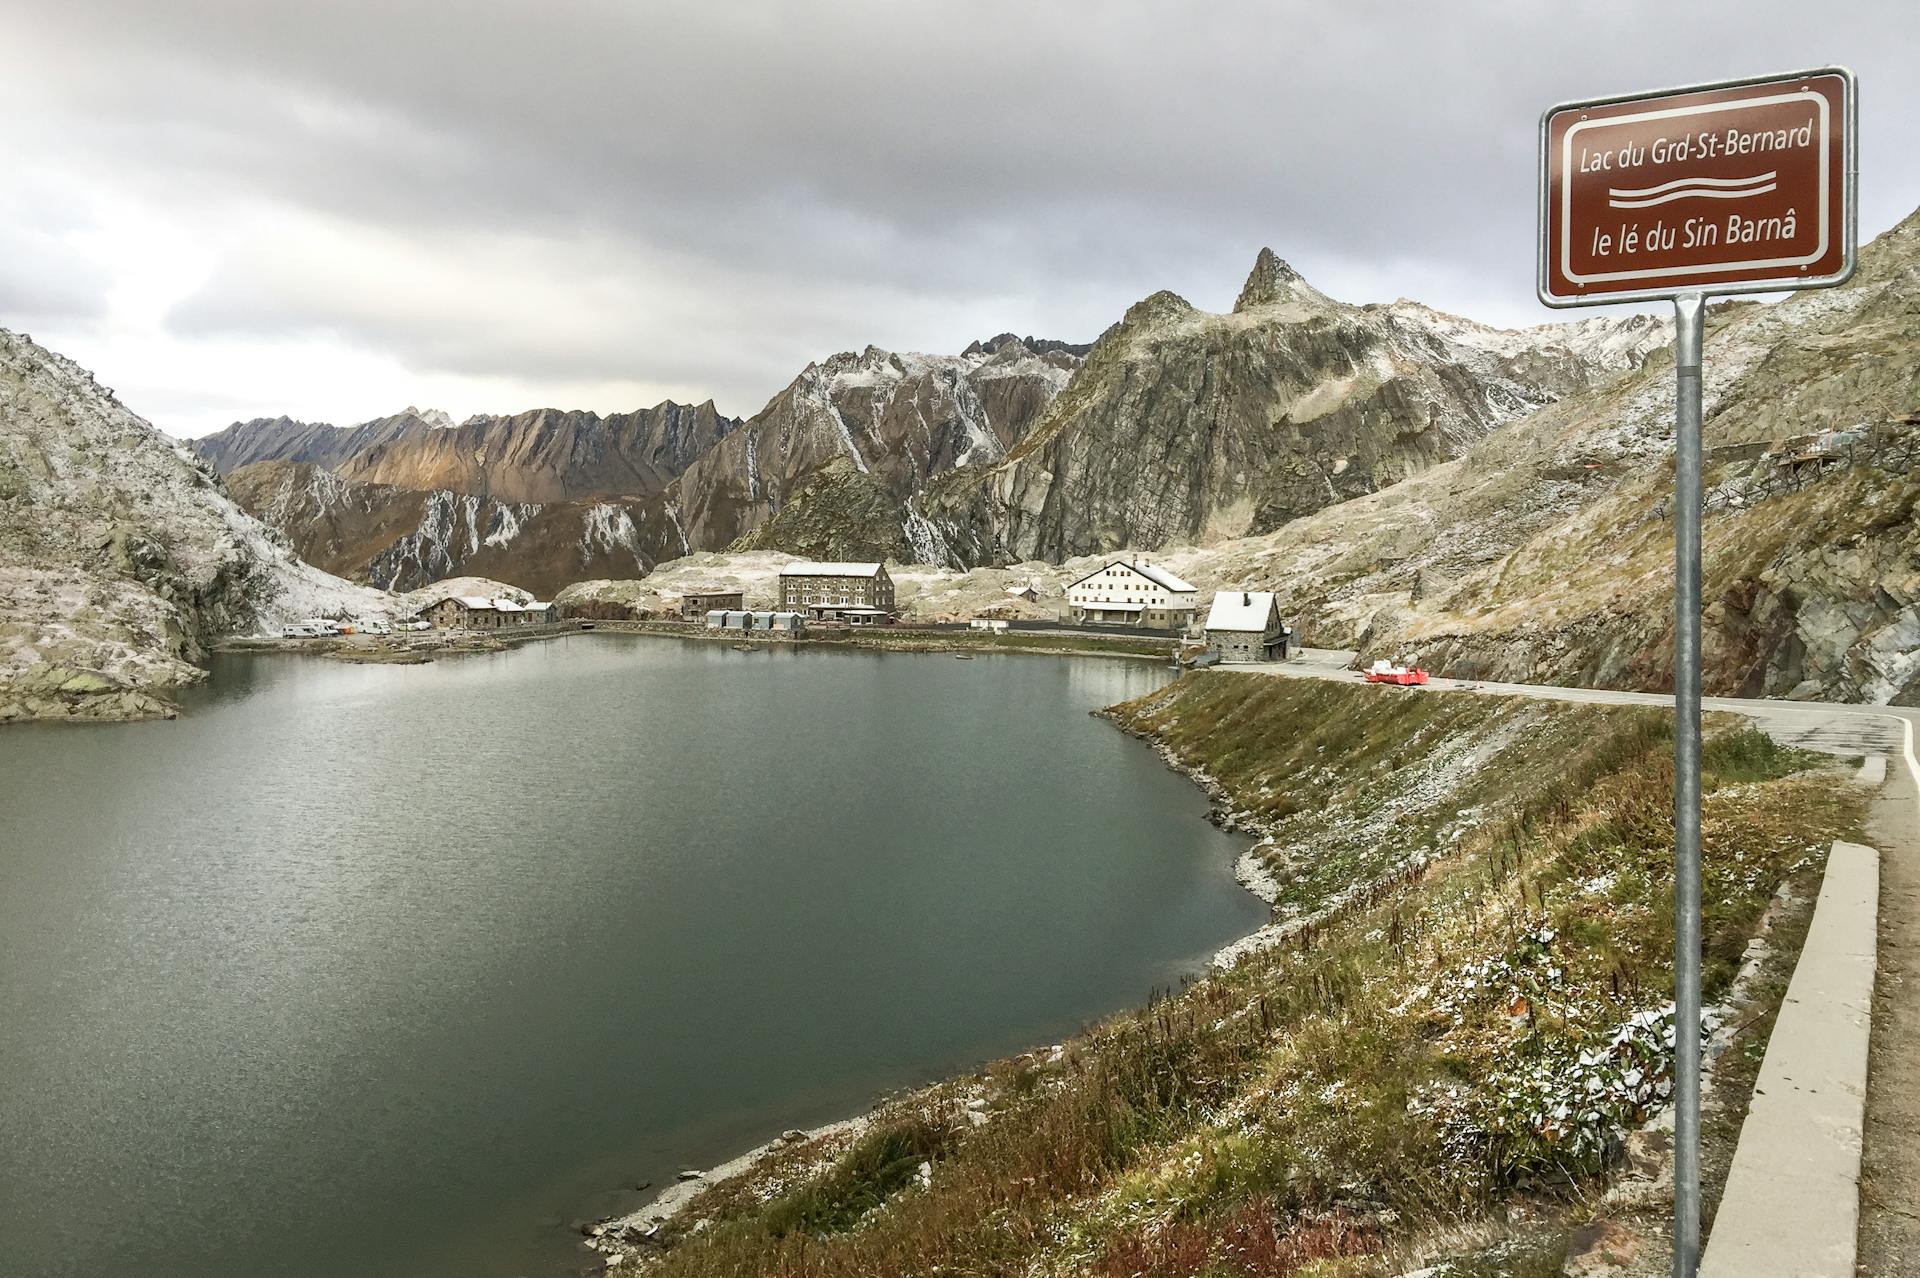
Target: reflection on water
391,970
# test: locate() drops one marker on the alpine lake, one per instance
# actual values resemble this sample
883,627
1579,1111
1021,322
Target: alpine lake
392,971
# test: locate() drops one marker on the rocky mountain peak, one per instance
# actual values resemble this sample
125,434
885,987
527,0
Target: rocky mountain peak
437,418
1273,281
1157,308
1014,343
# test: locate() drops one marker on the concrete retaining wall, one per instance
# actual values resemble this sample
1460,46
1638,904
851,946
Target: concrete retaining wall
1792,1203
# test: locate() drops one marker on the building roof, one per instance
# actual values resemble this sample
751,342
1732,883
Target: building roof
477,603
1240,610
807,568
1152,572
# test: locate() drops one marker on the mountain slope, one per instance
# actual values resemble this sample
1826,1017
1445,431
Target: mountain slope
901,419
1184,426
547,455
121,560
402,539
1543,554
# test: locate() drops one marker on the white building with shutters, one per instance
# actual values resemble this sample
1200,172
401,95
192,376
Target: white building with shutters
1132,592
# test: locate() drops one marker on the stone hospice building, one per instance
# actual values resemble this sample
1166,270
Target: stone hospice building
861,593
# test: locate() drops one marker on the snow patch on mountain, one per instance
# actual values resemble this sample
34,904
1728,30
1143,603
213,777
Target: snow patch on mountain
606,527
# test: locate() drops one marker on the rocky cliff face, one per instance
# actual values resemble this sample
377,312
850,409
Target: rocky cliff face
121,559
1183,426
1544,554
401,539
900,420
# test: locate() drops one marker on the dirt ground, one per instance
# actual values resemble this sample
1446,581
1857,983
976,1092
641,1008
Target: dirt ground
1890,1175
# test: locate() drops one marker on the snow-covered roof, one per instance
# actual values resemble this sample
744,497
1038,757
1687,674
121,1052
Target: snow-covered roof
480,603
806,568
1240,610
1152,572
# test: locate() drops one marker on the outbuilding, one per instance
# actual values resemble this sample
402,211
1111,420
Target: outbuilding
695,604
1245,625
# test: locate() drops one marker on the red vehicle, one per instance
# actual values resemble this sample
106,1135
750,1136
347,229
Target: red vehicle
1387,672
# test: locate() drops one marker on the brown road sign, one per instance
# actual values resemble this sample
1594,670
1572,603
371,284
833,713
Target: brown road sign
1735,187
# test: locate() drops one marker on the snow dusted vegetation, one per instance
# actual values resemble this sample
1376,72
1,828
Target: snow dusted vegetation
121,559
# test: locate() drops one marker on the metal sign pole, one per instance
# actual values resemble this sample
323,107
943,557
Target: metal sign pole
1689,316
1628,212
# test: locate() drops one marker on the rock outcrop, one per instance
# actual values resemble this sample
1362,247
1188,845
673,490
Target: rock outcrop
121,559
843,513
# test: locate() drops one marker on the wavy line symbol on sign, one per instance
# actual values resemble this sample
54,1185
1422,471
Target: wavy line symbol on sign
1704,188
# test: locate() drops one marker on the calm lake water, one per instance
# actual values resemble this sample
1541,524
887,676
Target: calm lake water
381,971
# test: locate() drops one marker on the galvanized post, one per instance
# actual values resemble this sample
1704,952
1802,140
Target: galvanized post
1689,317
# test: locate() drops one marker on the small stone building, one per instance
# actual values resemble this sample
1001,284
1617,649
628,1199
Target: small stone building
1244,625
696,604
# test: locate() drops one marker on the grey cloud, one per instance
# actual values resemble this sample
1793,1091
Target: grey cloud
851,172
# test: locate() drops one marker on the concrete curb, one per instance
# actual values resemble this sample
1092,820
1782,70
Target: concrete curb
1792,1202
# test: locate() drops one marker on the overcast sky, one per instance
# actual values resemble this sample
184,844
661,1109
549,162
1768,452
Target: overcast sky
336,209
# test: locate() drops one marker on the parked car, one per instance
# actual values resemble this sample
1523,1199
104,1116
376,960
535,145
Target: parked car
375,628
301,630
416,625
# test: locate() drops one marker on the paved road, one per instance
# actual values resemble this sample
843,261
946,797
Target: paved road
1826,727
